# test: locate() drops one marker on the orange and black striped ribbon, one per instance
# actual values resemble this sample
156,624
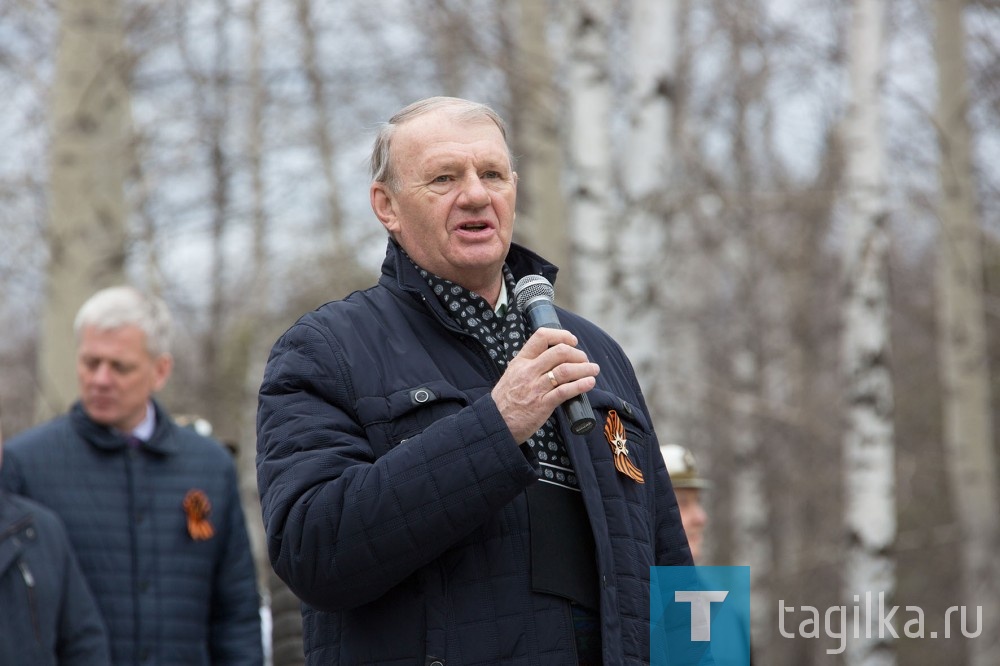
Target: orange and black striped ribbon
615,432
197,507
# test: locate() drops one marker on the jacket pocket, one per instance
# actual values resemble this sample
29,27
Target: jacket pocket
630,414
632,418
391,420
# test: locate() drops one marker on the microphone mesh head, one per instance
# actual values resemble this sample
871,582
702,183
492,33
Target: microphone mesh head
531,287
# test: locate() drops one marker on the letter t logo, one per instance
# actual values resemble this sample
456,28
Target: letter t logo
701,610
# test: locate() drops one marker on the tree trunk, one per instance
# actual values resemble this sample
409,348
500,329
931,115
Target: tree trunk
641,245
214,111
964,362
86,234
543,222
592,217
869,455
321,130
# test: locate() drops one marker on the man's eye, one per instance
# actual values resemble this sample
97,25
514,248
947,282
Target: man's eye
442,179
492,174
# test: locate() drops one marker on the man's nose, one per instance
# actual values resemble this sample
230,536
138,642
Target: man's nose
102,373
474,192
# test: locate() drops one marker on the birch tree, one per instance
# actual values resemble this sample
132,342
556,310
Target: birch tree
86,231
649,167
964,362
591,197
659,269
869,436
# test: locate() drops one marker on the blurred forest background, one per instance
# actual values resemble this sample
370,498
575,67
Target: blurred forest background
788,211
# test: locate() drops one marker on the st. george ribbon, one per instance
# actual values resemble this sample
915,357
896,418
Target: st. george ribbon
534,295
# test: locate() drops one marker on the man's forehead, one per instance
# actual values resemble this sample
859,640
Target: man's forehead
118,331
443,128
443,148
452,154
117,341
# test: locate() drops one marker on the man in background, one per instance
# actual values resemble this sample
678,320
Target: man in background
688,485
151,508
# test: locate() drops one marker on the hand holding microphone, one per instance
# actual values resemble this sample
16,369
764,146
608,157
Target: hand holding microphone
534,295
548,372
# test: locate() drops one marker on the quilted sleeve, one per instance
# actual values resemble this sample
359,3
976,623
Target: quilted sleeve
344,526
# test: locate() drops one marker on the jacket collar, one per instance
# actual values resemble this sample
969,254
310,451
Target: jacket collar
164,440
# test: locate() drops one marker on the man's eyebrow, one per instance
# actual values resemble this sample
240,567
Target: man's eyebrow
441,164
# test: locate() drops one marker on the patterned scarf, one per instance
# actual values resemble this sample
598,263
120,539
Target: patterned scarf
502,337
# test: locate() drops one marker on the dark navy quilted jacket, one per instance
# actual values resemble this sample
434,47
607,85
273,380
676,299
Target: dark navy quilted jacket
48,616
165,597
393,492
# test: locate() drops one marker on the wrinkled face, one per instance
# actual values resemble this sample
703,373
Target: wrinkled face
454,210
693,517
118,375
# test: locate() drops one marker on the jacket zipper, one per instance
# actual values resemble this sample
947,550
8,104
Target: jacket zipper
29,578
29,582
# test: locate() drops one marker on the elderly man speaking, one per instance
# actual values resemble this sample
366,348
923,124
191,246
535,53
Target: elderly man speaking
422,491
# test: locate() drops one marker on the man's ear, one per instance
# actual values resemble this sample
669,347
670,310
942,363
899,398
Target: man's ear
163,365
384,206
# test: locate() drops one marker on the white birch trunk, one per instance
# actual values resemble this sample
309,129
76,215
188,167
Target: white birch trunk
657,262
86,235
964,361
650,289
591,198
641,245
869,438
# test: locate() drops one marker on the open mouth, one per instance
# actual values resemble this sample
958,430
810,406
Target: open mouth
474,226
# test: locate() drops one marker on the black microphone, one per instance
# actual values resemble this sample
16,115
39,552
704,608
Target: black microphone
534,295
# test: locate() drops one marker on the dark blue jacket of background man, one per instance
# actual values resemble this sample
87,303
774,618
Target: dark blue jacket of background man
166,598
48,616
393,491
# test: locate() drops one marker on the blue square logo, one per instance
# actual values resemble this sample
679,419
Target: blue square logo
699,615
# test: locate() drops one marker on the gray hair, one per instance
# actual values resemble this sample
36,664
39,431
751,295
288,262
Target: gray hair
127,306
465,110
